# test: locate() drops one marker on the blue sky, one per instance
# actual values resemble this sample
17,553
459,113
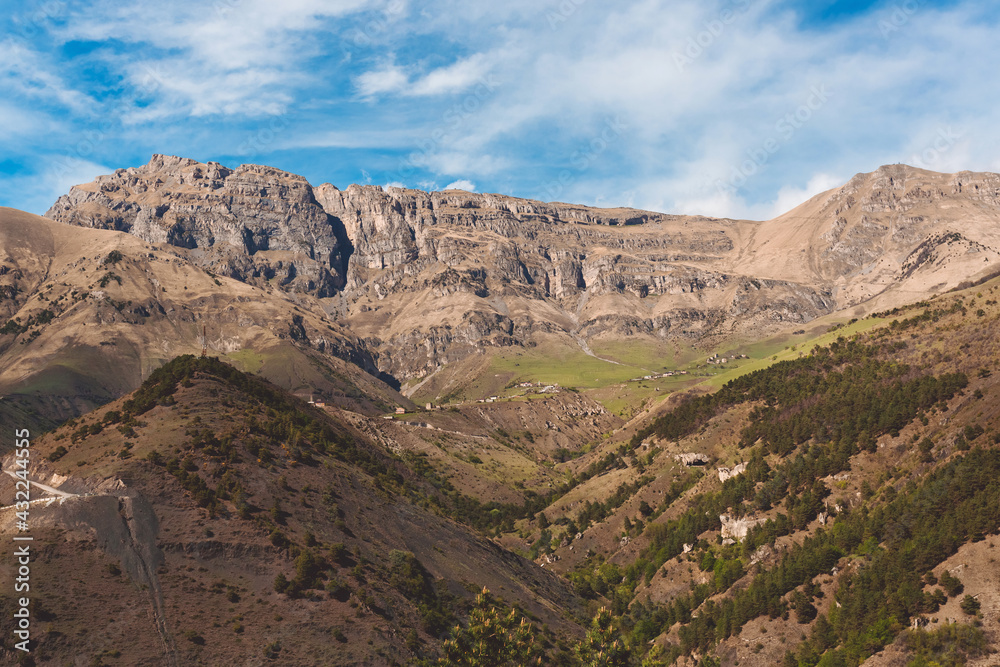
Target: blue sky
739,108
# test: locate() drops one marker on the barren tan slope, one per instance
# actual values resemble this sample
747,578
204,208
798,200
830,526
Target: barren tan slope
893,235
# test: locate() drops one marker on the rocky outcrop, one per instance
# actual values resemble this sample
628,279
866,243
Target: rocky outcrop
692,459
737,529
524,243
255,223
729,473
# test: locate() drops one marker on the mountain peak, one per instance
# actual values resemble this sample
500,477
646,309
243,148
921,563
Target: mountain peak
160,161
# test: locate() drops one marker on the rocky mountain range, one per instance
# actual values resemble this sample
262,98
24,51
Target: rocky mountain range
426,279
212,517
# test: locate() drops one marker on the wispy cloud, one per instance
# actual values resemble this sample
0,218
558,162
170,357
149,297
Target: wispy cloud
453,78
51,178
386,79
391,78
714,102
31,75
18,121
227,57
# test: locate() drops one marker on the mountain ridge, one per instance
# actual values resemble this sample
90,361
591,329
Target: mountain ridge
185,504
430,279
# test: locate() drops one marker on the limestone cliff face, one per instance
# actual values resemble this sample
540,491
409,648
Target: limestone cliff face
444,275
430,278
490,243
528,242
256,222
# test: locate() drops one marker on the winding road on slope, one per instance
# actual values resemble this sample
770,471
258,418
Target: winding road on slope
61,495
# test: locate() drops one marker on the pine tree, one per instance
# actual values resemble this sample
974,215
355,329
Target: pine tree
805,610
603,646
970,605
494,638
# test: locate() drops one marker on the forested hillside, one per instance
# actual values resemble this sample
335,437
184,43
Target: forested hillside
867,467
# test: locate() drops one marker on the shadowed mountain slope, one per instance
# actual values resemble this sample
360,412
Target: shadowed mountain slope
212,517
86,315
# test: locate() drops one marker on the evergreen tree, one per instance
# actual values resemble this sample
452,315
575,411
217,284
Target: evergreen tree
495,637
970,605
603,646
805,610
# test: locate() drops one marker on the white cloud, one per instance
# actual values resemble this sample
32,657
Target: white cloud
514,100
63,172
52,179
691,126
388,79
716,205
366,138
463,162
18,121
225,57
452,78
392,79
33,76
790,196
461,184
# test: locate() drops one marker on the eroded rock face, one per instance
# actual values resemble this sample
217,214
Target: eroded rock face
729,473
499,271
692,459
536,248
254,222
